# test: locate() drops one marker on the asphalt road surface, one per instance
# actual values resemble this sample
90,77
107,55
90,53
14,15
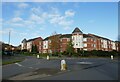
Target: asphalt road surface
77,69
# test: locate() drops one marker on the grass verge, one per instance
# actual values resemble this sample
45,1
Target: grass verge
11,62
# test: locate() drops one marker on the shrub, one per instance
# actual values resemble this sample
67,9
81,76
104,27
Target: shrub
43,54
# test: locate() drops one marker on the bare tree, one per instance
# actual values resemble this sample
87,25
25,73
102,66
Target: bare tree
54,42
70,49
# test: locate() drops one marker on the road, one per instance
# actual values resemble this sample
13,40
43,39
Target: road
78,69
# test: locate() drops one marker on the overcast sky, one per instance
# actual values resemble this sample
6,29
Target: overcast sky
40,19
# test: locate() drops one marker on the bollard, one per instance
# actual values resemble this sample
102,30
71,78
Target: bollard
63,65
48,57
38,56
111,57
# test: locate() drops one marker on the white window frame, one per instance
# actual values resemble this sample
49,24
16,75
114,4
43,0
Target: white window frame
84,39
85,45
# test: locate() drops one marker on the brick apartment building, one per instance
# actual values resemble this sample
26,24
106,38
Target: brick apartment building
79,40
27,44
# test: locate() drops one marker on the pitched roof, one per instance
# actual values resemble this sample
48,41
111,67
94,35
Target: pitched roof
98,36
66,36
24,40
77,30
34,39
86,36
47,38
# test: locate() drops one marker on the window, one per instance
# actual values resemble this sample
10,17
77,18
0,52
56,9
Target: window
85,49
102,46
73,38
91,39
49,41
68,39
72,42
85,39
94,45
85,45
39,43
109,42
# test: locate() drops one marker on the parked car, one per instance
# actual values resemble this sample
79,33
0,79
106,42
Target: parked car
9,53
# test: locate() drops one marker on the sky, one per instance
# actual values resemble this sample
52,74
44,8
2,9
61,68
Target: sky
41,19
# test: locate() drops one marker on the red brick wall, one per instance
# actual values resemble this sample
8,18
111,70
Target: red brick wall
41,46
63,45
37,42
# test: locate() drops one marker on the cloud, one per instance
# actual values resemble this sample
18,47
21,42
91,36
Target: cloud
67,28
18,22
62,20
14,22
23,5
1,19
65,23
21,9
36,10
53,16
54,19
7,30
17,19
37,15
69,13
22,34
36,19
29,24
2,32
54,10
35,34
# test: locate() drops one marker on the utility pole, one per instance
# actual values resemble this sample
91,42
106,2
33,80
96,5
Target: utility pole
9,47
9,38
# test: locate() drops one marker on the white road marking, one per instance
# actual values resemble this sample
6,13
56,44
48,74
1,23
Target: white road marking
84,63
24,66
30,67
18,64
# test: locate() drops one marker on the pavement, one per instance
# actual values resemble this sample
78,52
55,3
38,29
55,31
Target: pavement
77,69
